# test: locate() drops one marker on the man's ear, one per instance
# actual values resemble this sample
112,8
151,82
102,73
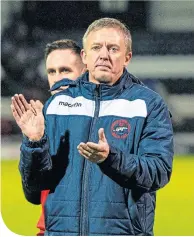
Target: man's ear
127,58
83,56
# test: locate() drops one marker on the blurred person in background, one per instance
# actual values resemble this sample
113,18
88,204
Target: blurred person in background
106,145
63,60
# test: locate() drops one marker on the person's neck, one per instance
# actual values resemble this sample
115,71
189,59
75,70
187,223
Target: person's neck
93,80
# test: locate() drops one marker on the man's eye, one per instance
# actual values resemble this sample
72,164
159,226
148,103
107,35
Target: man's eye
96,47
51,72
65,70
113,49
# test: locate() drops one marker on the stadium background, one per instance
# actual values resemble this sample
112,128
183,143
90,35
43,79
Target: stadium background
163,57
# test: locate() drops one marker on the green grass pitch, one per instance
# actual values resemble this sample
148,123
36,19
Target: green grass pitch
174,207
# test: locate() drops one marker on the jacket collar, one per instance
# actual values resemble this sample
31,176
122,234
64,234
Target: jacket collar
63,82
106,91
88,88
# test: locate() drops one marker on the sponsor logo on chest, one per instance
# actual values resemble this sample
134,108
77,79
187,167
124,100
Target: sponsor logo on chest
76,104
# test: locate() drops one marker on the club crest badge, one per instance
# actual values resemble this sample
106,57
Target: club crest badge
120,128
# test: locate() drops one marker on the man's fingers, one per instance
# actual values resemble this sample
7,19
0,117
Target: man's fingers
83,155
89,156
21,119
15,114
86,150
91,147
24,102
26,105
83,151
94,156
86,147
39,105
36,105
16,106
95,147
19,103
33,110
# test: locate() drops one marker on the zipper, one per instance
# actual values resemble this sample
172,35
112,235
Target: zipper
84,225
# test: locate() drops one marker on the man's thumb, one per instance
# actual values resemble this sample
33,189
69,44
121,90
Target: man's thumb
101,135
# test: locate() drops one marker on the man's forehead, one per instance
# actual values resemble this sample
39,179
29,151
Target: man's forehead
108,34
61,52
62,55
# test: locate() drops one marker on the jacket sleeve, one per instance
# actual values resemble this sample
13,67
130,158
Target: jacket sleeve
151,168
31,196
35,167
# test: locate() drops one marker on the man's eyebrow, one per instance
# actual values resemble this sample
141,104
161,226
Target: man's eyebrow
60,68
96,43
113,45
108,44
65,67
50,69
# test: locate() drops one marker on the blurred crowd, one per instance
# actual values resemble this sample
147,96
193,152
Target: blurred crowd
38,23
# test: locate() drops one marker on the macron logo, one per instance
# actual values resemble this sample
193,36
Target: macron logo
70,105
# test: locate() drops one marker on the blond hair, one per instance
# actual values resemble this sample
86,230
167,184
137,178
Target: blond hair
110,23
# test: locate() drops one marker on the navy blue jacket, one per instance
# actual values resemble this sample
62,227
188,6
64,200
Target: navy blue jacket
116,197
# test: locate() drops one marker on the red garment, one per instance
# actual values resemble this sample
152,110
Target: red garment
41,221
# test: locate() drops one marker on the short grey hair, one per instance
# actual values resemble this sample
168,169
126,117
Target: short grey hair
110,23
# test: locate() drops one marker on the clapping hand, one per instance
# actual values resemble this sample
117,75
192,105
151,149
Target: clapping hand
94,152
28,116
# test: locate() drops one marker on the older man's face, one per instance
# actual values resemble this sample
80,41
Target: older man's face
105,55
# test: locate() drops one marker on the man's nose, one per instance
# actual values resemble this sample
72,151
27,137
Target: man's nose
59,76
104,53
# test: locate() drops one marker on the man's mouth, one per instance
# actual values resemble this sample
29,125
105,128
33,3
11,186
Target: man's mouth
103,66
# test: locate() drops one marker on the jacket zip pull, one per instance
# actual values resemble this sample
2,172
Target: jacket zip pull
97,91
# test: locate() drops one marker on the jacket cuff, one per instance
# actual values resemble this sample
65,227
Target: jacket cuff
34,144
111,159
